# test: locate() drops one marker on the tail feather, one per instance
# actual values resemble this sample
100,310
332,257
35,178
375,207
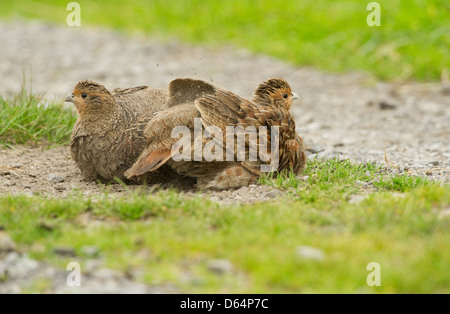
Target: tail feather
150,162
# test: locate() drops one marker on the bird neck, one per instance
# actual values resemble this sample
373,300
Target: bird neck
100,114
263,100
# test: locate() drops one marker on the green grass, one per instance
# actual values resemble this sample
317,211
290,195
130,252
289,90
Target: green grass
412,42
338,179
28,118
170,239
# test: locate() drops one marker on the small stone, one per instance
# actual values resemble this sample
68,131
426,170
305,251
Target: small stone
90,250
6,243
383,105
216,198
310,253
46,225
304,178
272,194
315,149
355,199
220,266
54,178
64,251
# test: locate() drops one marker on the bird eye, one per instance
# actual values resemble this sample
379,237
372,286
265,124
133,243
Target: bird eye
285,95
84,95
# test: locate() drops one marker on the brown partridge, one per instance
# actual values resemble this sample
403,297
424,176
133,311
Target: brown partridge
108,135
222,109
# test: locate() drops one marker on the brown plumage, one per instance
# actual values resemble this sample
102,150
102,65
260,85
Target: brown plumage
221,108
108,135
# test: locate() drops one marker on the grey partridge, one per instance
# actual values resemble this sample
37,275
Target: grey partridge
222,109
108,135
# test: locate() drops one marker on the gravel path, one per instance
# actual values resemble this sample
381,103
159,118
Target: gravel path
347,115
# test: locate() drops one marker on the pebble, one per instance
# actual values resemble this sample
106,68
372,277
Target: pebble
55,178
310,253
6,243
64,251
216,198
90,250
272,194
384,105
46,225
355,199
315,149
220,266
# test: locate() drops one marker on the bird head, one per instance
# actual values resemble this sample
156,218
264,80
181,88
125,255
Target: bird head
275,92
90,98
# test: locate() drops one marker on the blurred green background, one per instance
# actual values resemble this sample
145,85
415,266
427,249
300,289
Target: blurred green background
412,43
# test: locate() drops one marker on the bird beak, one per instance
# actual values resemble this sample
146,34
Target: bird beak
295,96
69,99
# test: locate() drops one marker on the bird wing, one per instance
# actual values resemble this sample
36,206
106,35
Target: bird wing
158,133
187,90
127,91
221,109
142,100
163,123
